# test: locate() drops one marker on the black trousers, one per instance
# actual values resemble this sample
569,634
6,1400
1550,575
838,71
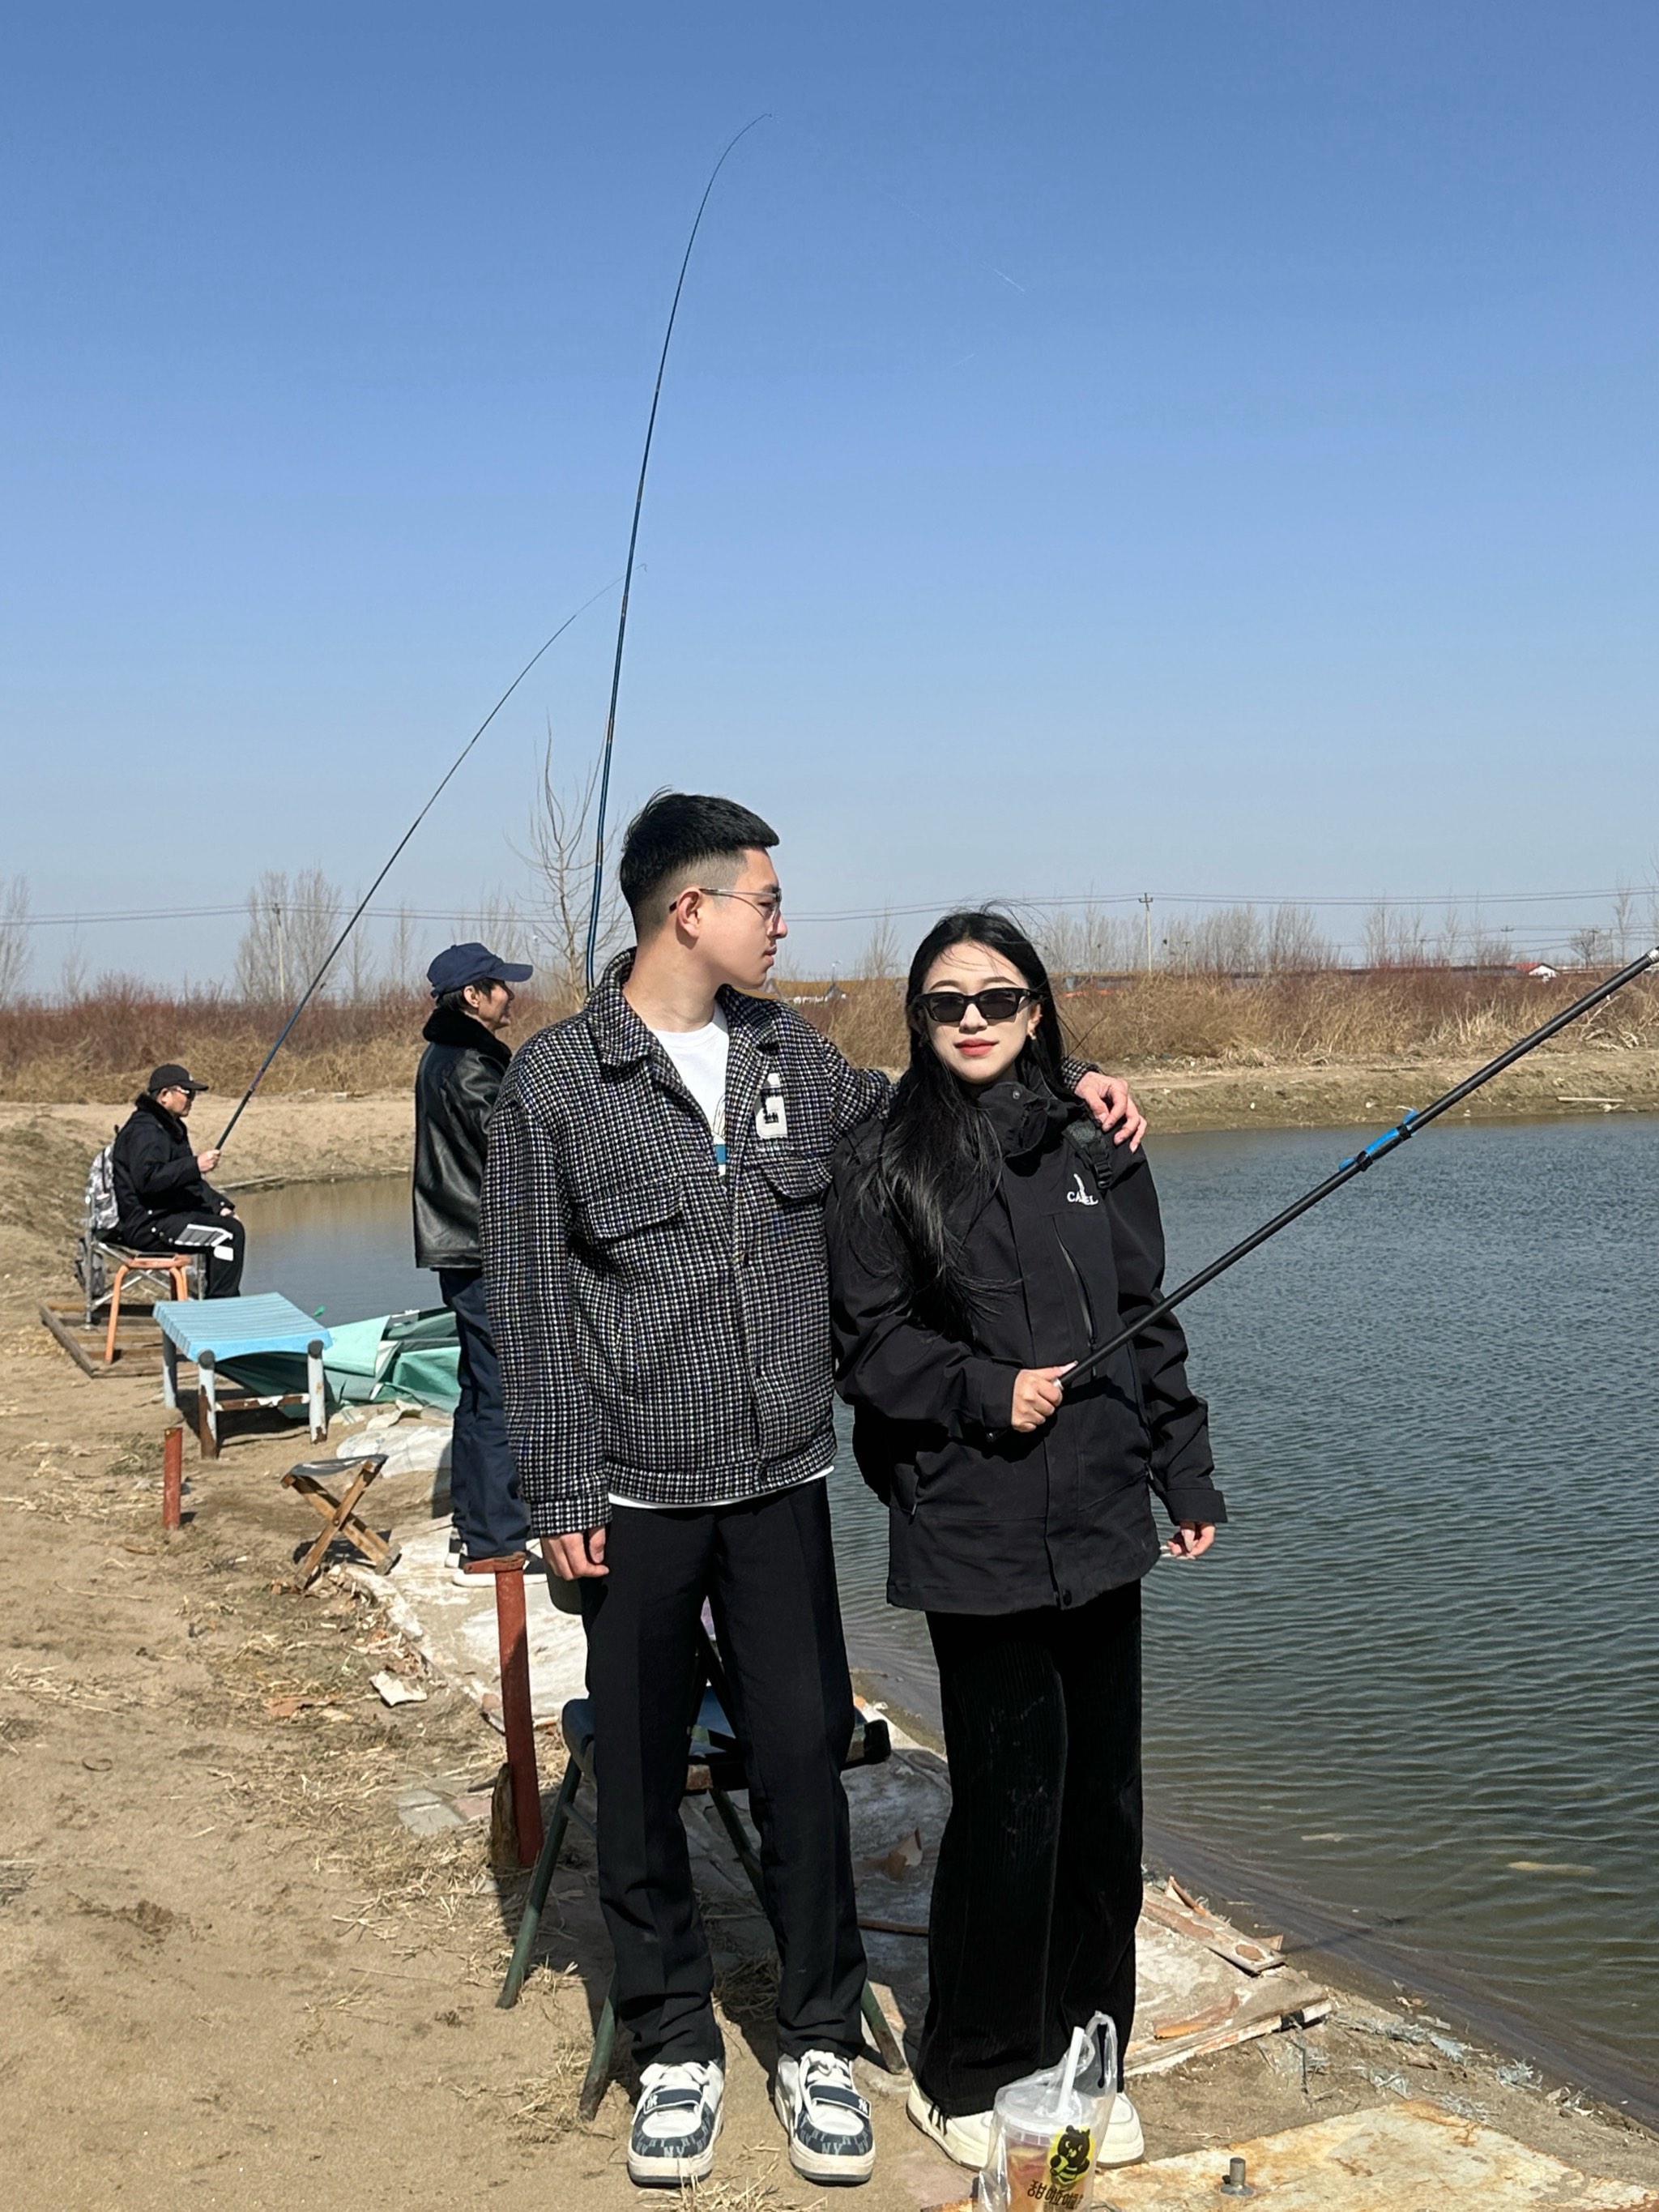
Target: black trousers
182,1232
483,1483
768,1572
1037,1889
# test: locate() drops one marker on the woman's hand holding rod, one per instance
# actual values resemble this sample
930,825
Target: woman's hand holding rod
1037,1394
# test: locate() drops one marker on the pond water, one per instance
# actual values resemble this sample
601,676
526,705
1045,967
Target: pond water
1410,1702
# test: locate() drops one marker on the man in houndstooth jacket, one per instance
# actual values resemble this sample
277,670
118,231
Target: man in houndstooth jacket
654,1261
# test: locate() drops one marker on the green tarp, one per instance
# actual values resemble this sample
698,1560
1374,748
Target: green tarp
406,1355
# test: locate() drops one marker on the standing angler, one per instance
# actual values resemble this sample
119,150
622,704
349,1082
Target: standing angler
655,1254
455,1090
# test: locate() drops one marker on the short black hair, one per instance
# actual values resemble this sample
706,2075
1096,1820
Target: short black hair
677,836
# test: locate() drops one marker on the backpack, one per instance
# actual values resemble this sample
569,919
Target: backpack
102,1211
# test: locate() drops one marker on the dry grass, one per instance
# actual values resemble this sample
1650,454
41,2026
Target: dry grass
1327,1018
103,1048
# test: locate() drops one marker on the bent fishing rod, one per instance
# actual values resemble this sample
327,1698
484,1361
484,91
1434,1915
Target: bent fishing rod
314,985
1378,1149
592,952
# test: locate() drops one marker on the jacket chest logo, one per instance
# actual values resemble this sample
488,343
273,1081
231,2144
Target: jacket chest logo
1077,1195
770,1118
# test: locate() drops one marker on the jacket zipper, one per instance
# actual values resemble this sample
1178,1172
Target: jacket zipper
1082,1294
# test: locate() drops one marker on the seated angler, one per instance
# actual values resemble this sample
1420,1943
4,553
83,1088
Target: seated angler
166,1202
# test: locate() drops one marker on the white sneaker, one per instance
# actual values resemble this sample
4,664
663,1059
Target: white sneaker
676,2123
967,2139
1121,2142
828,2123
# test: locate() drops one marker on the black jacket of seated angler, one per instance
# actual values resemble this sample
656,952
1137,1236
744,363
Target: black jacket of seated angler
1070,1246
153,1166
456,1087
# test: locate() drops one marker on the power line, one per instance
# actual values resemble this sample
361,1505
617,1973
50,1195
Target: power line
1087,899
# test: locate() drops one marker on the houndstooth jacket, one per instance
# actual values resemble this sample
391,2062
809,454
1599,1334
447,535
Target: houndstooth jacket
663,1332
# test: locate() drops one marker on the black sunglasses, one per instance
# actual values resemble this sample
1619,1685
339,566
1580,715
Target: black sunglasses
1000,1003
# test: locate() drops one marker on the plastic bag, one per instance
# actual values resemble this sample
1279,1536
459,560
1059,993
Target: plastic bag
1046,2128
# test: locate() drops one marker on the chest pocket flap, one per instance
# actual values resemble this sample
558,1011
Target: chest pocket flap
796,1175
640,1205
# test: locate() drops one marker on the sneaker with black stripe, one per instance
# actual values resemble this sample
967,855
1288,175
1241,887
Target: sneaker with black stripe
675,2123
828,2123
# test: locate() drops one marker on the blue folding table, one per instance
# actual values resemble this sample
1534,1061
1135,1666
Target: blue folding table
216,1331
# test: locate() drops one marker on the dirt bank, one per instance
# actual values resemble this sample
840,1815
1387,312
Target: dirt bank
1553,1080
324,1136
233,1970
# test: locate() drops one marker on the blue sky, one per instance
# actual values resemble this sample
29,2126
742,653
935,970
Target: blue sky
1205,447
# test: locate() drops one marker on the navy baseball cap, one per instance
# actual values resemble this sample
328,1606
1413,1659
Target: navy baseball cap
459,965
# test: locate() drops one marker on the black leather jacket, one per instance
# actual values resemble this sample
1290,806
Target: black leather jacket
983,1518
455,1090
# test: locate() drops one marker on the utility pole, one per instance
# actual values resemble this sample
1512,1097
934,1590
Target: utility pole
1146,902
281,956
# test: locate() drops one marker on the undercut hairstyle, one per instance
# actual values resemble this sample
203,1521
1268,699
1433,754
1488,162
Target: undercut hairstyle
938,1165
680,838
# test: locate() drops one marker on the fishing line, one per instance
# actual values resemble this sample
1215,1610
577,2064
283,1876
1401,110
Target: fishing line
1378,1149
628,572
363,905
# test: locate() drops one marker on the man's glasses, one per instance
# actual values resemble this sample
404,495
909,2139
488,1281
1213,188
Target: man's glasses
1000,1003
768,905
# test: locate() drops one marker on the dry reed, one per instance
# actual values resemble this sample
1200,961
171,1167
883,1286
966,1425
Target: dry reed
102,1048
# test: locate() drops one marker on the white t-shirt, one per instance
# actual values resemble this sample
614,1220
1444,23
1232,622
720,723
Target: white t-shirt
700,1056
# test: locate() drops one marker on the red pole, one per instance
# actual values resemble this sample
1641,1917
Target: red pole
517,1714
173,1476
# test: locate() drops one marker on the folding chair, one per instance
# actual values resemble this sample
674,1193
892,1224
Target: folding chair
715,1765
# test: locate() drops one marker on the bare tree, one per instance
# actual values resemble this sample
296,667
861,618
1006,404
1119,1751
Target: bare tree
561,851
496,921
881,959
72,973
361,977
1295,943
290,928
1450,945
1087,943
15,949
1589,946
403,954
1227,942
1624,919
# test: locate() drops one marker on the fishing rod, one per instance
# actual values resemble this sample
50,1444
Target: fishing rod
1378,1149
592,953
312,987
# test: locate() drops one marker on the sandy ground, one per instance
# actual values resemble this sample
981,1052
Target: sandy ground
235,1977
306,1136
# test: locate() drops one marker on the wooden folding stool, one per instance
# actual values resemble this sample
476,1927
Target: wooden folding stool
340,1514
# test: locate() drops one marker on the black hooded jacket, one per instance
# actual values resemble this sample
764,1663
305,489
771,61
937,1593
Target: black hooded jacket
456,1088
983,1519
153,1163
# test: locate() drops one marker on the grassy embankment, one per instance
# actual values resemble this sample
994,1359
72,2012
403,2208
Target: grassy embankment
1321,1047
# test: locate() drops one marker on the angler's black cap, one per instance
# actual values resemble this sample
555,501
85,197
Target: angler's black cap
458,965
170,1077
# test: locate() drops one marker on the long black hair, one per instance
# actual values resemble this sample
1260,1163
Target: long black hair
938,1163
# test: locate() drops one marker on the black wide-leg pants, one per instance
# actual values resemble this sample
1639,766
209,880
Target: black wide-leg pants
1037,1889
767,1570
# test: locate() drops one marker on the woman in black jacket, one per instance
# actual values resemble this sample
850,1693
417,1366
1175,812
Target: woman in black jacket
982,1242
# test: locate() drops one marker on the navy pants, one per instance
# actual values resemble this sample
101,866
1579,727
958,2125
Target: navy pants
768,1572
483,1483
